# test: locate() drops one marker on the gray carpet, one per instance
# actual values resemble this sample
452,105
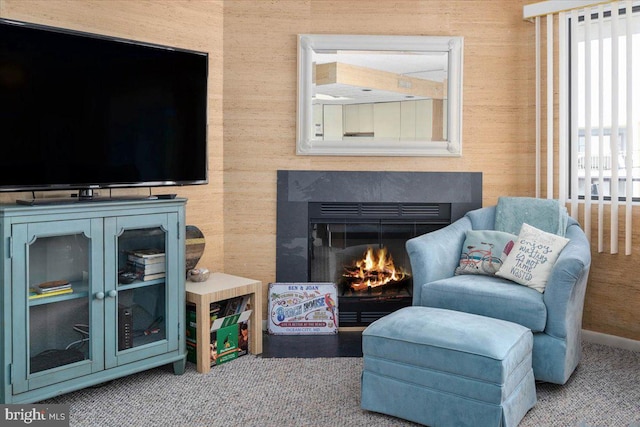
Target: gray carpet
255,391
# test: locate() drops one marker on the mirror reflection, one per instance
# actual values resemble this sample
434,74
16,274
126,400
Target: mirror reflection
379,95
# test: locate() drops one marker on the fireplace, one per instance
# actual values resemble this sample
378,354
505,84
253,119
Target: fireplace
331,225
361,248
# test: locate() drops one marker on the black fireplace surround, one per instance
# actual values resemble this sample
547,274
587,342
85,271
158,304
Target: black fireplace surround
301,192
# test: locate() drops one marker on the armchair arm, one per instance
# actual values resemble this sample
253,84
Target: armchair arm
436,255
564,294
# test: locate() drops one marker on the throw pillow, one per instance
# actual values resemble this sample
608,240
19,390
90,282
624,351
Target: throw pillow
532,258
484,251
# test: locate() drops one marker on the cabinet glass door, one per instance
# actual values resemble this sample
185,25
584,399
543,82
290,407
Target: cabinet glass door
141,281
54,264
142,269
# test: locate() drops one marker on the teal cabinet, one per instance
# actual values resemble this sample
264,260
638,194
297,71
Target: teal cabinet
90,292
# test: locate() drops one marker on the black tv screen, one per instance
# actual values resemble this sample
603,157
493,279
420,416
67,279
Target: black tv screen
82,111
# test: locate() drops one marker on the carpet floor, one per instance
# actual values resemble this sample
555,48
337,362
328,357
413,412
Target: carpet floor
263,392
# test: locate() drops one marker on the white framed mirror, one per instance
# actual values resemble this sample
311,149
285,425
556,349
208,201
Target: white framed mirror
379,95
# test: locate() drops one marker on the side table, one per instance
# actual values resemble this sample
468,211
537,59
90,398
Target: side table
219,287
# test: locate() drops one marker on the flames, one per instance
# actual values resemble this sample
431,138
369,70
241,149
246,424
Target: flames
375,269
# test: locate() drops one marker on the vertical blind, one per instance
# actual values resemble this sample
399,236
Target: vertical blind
598,109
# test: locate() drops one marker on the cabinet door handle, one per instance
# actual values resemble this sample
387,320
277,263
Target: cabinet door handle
99,295
112,293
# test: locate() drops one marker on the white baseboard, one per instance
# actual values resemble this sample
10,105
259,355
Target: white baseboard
610,340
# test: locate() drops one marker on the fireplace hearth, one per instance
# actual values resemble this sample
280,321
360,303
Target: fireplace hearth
329,221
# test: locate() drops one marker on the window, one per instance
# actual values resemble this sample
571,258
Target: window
605,111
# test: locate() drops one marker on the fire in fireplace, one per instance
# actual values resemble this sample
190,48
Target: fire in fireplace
375,271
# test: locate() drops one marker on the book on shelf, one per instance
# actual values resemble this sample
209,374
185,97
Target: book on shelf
217,309
51,286
236,305
33,294
147,268
154,276
232,306
245,305
147,256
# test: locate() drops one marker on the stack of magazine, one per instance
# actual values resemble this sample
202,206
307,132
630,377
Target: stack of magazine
49,289
147,264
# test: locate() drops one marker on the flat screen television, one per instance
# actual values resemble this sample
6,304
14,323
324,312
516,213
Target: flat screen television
80,111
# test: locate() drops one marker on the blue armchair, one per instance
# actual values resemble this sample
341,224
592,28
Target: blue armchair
554,317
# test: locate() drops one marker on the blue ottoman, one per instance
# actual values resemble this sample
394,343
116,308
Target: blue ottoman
447,368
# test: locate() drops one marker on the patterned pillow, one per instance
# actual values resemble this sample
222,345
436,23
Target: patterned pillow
532,258
484,251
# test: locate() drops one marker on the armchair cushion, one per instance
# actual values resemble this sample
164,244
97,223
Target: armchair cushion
532,258
484,251
487,296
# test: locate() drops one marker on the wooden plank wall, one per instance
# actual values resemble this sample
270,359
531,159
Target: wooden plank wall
255,104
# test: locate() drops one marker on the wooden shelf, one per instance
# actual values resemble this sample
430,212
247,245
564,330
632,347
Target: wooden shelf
80,290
